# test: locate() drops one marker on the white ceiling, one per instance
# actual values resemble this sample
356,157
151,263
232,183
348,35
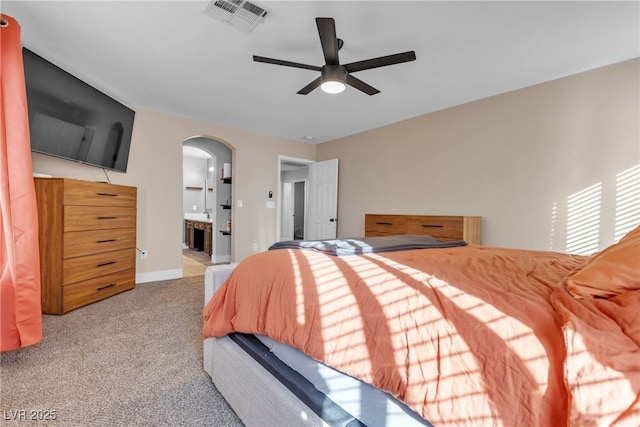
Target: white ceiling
169,56
188,151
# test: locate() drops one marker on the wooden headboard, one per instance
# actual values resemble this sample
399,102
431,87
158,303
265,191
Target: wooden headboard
466,228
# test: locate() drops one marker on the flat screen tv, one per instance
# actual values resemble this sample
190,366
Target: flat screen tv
72,120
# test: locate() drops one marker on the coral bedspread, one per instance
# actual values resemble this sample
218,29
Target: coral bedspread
465,336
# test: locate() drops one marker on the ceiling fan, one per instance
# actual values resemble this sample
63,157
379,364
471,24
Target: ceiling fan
334,76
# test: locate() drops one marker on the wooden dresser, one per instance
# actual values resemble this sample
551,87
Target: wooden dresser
87,234
466,228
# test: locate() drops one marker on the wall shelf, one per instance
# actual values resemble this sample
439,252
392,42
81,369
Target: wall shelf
226,206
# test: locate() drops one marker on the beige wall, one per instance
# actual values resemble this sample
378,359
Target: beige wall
155,168
517,159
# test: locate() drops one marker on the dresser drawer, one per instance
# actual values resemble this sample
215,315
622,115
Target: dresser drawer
88,291
78,192
79,243
440,227
80,218
383,225
85,267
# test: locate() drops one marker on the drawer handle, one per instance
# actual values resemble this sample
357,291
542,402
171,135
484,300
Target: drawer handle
106,287
106,263
108,194
107,217
383,223
107,240
432,226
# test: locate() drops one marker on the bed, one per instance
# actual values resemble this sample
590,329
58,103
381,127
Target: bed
460,335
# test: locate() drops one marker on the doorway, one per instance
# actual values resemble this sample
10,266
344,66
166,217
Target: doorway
293,176
299,205
318,215
294,202
206,202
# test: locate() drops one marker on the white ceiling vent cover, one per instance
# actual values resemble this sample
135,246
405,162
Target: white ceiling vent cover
242,14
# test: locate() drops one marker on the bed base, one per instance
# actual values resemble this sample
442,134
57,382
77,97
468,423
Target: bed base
260,388
255,395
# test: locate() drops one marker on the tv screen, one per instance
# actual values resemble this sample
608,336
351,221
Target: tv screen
72,120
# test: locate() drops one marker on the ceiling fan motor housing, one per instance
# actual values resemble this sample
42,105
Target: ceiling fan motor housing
334,73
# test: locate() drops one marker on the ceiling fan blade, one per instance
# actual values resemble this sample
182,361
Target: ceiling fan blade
360,85
328,40
311,86
381,61
285,63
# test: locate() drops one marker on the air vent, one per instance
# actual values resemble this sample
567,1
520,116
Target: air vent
242,14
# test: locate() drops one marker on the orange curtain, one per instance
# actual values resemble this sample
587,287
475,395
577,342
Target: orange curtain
20,312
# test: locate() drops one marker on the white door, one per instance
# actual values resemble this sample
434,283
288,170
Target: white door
322,209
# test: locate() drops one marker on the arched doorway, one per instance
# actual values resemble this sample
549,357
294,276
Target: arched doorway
207,200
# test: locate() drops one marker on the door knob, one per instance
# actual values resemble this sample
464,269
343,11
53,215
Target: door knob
332,219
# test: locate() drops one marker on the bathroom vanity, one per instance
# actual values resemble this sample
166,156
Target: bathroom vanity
198,233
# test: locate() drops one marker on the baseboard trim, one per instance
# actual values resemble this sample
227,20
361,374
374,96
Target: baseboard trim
154,276
221,259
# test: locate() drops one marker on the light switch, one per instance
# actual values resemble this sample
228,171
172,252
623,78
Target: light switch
239,203
271,204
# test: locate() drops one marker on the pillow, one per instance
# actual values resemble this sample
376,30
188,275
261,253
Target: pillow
611,271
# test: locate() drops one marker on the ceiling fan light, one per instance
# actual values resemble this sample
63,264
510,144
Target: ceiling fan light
333,86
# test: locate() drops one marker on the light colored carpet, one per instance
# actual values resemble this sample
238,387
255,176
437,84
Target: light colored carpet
134,359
